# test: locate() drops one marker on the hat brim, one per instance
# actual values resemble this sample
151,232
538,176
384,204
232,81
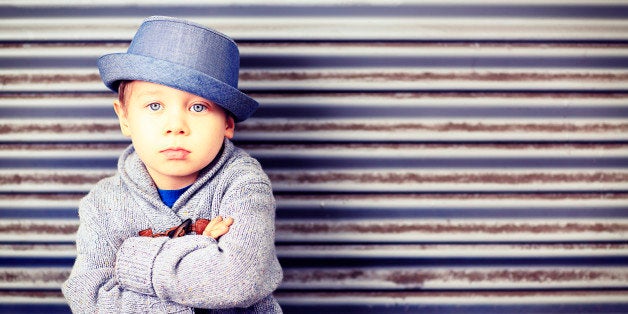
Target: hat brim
125,66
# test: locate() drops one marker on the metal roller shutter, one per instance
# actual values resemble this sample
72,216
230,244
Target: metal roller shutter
427,156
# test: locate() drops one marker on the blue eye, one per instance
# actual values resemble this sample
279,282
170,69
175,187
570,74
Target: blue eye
198,108
154,106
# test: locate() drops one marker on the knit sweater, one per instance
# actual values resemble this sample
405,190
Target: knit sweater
116,271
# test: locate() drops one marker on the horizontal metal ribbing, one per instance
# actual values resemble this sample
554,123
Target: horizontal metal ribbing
328,27
426,156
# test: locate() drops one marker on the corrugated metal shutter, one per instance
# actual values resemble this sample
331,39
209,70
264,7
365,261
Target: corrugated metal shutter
427,156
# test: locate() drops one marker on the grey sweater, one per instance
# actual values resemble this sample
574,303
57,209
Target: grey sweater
116,271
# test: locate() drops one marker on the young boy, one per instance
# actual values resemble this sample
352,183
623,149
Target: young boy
152,238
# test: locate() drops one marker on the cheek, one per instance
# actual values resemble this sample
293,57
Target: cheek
211,138
142,124
143,135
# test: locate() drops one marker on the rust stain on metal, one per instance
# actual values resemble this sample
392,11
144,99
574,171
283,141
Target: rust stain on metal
37,247
398,178
324,275
437,127
56,94
38,228
461,95
63,146
390,250
59,128
7,79
474,46
42,196
31,294
408,277
427,76
375,94
452,294
417,277
456,196
439,228
328,177
281,147
52,178
27,46
413,146
378,197
19,275
335,45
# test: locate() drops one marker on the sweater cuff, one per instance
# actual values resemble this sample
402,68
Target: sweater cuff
134,263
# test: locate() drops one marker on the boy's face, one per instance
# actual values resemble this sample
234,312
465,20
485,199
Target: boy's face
175,133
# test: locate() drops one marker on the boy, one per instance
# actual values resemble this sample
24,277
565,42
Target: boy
152,238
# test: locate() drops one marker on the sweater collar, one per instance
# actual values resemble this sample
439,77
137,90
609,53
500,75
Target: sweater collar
136,177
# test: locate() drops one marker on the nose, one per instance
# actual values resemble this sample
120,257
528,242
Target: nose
176,124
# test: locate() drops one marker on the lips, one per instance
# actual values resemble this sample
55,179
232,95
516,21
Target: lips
175,153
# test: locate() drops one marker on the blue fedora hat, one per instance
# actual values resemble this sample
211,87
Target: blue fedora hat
182,55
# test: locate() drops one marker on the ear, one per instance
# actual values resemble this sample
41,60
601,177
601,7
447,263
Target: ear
124,123
230,127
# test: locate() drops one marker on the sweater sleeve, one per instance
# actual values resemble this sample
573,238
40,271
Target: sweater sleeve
236,272
93,286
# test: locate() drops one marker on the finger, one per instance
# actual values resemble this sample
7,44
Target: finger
223,224
207,232
216,231
212,223
210,226
228,222
219,231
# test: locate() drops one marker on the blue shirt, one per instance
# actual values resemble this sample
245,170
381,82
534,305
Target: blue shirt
169,197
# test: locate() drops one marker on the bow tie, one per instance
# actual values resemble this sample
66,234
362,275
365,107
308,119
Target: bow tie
186,227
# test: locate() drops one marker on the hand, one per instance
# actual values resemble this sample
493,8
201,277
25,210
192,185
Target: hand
217,227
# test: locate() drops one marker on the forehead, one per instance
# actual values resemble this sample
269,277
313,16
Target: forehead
140,88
